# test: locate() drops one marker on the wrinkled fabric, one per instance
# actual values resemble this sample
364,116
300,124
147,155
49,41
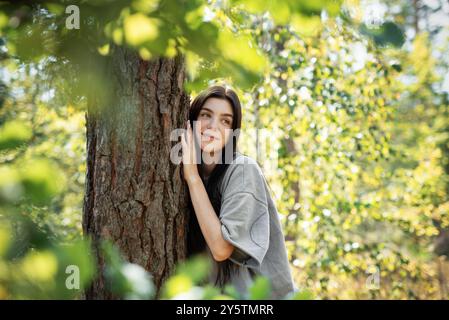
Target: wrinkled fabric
250,222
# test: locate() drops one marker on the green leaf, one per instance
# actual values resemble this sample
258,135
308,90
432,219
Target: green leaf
13,134
76,254
5,238
197,268
42,180
241,50
389,33
176,285
127,280
302,295
260,289
140,29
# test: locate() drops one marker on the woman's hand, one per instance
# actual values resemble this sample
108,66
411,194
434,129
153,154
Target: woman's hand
189,156
208,220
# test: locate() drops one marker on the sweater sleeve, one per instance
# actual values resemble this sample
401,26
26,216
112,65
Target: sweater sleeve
244,215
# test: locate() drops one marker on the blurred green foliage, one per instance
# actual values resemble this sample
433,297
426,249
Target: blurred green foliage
361,154
47,70
358,126
127,280
151,27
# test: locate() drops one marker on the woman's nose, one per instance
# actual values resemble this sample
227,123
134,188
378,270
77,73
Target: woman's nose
213,123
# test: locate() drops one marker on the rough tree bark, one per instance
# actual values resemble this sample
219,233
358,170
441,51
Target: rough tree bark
135,195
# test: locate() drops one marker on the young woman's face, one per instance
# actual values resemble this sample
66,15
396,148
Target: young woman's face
215,120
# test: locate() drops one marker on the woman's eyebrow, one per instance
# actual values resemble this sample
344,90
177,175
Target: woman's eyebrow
206,109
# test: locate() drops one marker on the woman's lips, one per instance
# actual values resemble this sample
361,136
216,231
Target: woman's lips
208,137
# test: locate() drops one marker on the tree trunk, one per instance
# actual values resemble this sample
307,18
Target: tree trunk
135,196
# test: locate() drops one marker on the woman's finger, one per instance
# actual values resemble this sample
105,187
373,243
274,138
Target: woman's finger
183,142
189,132
197,130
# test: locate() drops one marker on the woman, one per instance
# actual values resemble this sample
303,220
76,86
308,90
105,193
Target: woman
235,220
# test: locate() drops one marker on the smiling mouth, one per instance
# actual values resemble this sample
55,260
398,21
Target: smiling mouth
208,138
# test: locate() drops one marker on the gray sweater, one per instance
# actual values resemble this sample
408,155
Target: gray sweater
251,223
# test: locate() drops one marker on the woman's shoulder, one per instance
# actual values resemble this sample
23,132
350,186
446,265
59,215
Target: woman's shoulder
243,163
244,174
243,159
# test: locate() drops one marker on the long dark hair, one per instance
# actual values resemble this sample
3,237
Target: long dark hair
196,243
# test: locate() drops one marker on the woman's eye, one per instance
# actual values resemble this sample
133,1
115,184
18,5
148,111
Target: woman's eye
205,115
227,122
